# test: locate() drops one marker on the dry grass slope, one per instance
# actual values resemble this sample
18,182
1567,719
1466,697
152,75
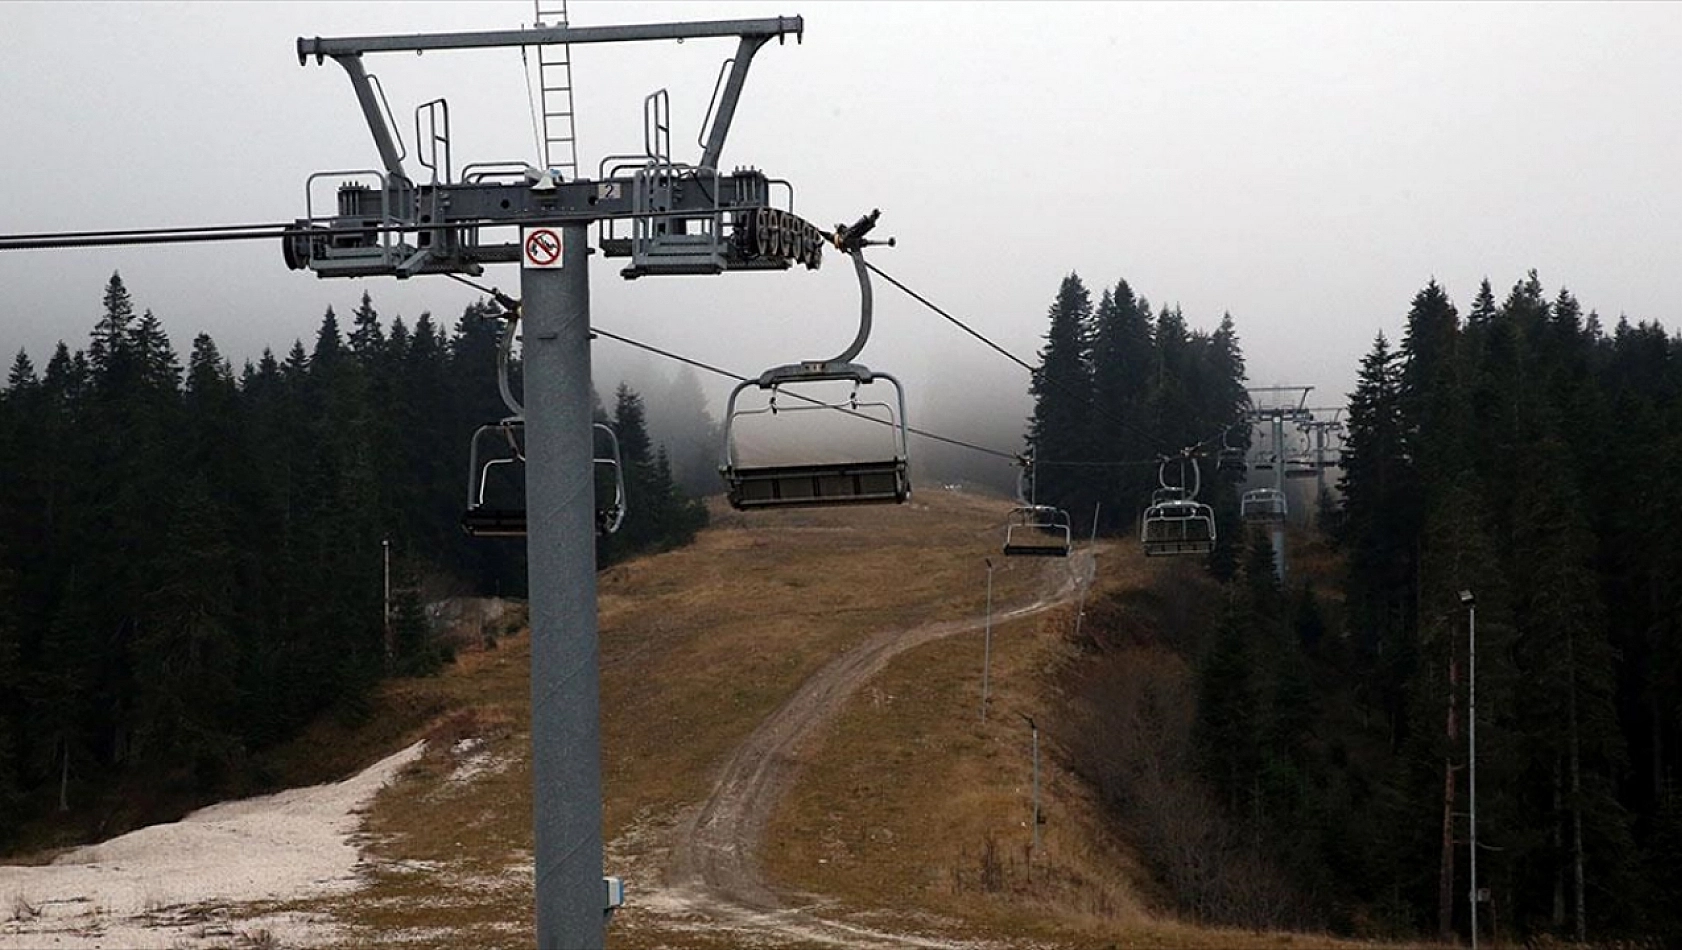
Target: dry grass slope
910,812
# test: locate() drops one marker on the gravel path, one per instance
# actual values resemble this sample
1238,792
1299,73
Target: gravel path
713,871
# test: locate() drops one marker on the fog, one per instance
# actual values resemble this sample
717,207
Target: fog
1307,168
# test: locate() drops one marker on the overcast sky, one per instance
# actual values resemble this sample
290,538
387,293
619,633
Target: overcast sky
1306,167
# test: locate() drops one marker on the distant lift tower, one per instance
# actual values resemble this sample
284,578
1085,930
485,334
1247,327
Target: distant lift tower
686,219
1320,457
1267,506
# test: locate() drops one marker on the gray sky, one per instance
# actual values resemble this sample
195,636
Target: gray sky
1307,167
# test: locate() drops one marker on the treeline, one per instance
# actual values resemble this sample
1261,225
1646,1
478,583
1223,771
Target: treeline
1303,760
191,558
1119,387
1525,455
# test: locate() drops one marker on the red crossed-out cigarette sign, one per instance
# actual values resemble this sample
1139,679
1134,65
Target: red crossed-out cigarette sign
542,248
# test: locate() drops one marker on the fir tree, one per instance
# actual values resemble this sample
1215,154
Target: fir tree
1060,429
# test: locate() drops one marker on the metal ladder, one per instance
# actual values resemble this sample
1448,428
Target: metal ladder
554,77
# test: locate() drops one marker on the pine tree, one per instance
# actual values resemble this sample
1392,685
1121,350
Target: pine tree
1060,429
1571,669
679,420
1380,530
1121,363
367,339
109,353
11,708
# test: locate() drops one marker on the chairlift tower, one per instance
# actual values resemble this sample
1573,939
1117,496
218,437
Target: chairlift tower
1319,427
686,219
1276,416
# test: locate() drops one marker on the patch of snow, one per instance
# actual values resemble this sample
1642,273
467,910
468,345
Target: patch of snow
168,885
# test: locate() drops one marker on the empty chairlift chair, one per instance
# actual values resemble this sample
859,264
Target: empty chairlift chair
873,479
879,479
610,482
1263,506
1232,456
1033,530
496,485
496,493
1037,531
1176,523
1301,465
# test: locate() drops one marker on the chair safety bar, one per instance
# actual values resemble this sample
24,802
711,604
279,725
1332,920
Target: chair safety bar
884,481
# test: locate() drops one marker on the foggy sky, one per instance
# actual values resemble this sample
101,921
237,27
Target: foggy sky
1306,167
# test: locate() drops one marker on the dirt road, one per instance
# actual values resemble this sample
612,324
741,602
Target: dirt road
712,874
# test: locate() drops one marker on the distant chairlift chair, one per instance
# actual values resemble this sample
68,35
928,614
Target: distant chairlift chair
1263,506
1037,531
1232,456
1034,530
1175,523
880,480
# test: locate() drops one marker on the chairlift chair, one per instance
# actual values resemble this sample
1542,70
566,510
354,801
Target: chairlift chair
496,496
611,467
1263,506
1035,530
503,515
852,482
1175,522
880,479
1231,458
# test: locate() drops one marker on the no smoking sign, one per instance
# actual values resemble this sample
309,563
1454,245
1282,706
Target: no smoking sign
542,249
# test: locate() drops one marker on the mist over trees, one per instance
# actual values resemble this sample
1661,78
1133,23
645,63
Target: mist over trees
191,568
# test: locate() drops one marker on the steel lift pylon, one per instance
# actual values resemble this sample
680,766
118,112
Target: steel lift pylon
686,219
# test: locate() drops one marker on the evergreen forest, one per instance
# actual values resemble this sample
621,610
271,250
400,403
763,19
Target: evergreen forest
190,573
191,568
1508,467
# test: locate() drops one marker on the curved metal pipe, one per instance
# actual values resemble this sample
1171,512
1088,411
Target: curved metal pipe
867,304
504,353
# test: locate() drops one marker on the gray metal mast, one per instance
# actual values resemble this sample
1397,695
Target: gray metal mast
692,220
1276,417
1320,427
1277,530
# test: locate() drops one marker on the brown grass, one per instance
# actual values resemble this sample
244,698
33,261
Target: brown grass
909,805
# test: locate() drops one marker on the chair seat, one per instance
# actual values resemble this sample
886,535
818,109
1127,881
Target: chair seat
1160,548
791,486
482,522
1056,549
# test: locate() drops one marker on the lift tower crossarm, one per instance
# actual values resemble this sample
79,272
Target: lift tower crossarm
347,51
765,28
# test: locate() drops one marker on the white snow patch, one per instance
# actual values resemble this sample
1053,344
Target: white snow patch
472,761
149,888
